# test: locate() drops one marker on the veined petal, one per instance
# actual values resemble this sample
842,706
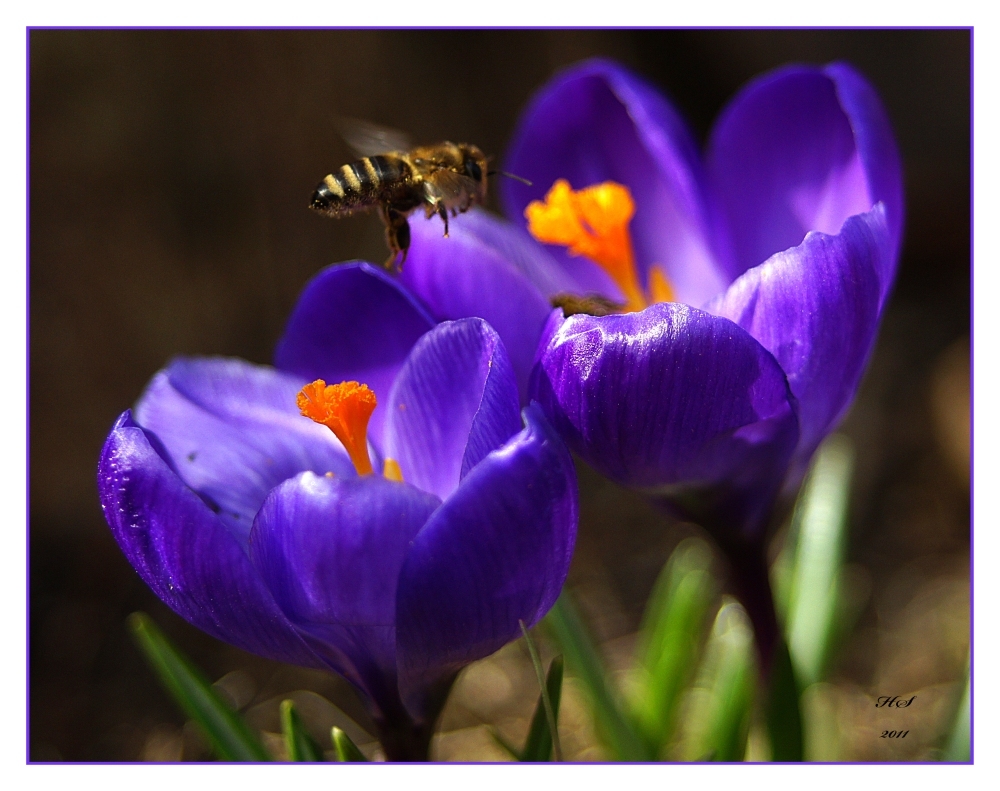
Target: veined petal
454,401
233,432
879,154
498,550
815,307
508,240
802,149
185,553
353,322
598,122
482,269
671,399
330,550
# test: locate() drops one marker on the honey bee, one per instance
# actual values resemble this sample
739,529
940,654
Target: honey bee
445,178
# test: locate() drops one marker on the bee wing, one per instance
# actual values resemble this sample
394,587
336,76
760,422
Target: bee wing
450,185
367,139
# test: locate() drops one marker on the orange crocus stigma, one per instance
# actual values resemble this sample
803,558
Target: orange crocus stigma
593,222
345,409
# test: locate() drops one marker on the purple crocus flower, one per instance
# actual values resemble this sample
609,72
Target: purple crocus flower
746,286
770,258
253,523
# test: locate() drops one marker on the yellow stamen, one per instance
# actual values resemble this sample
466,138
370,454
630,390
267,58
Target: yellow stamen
345,409
660,289
592,222
391,471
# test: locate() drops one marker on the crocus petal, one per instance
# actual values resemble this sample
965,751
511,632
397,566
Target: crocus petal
879,154
454,401
816,309
185,553
598,122
482,269
330,550
801,149
496,552
233,432
353,322
671,399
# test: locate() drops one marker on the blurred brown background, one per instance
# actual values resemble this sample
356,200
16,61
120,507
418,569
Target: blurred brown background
170,172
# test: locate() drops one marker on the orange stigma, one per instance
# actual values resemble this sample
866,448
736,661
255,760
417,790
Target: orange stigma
593,222
345,409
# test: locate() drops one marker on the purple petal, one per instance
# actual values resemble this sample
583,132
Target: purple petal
671,399
798,150
185,553
454,401
816,309
233,432
497,551
598,122
482,269
330,550
879,154
353,322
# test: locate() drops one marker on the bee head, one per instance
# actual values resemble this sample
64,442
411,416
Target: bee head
474,165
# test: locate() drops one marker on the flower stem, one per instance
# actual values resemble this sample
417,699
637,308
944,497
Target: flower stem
784,718
407,742
406,738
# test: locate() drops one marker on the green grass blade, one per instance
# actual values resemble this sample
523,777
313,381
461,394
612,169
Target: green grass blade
784,713
230,737
819,528
957,748
539,745
725,687
581,655
299,744
671,637
550,714
346,750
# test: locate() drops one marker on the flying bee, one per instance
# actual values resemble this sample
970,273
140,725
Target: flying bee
445,178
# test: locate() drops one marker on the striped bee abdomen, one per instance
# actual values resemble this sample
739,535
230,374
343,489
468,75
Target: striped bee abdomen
361,184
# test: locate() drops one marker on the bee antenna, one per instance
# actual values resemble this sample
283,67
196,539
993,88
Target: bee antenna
510,176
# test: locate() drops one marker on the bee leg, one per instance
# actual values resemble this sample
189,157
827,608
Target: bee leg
397,236
443,214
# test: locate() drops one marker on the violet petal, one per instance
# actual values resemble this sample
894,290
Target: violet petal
815,307
481,270
671,399
233,432
800,150
454,401
597,122
330,550
498,550
185,553
353,322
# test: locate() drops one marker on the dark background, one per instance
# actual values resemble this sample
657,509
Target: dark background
169,177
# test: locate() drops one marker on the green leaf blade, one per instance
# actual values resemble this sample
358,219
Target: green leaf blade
819,529
581,655
230,737
726,683
538,745
346,750
784,712
672,633
299,744
958,747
